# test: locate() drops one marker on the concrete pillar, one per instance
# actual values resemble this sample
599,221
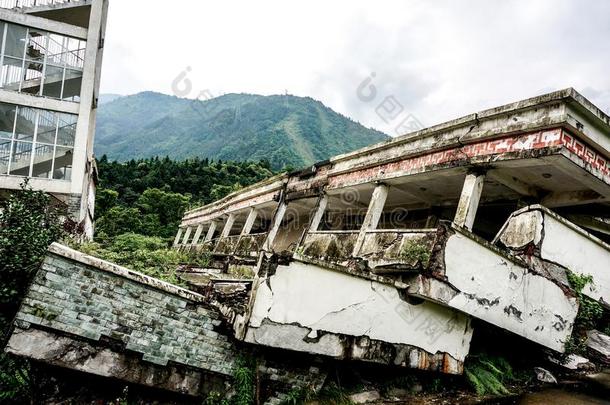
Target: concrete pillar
178,235
249,221
275,226
85,127
319,213
228,225
197,234
469,201
187,234
380,194
211,230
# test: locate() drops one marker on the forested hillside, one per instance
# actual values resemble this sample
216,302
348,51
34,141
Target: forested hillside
287,131
149,196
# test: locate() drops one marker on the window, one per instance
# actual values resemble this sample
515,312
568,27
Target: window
40,63
36,143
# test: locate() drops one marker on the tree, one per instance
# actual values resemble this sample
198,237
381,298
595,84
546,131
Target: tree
28,225
104,200
119,220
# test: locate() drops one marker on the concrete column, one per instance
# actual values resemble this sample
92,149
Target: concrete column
178,235
275,226
85,126
197,234
228,225
187,234
211,230
249,221
319,213
380,194
469,201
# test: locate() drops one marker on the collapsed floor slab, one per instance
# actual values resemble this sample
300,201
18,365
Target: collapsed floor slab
546,240
308,308
484,282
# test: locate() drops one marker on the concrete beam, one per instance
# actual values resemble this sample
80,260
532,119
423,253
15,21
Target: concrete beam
513,183
178,235
571,198
57,27
469,201
275,226
249,221
598,224
380,194
197,234
28,100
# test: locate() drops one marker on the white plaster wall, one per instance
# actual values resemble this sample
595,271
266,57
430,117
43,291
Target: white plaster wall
323,300
573,250
546,314
522,229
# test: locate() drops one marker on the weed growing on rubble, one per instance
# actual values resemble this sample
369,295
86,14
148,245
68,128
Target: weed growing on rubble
244,380
145,254
589,311
489,375
333,394
297,396
415,252
215,398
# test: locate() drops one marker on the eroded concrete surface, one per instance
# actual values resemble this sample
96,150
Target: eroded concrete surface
538,233
308,308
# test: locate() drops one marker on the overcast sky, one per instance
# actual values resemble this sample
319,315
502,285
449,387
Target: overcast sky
435,60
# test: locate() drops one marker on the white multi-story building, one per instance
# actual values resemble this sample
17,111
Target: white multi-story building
50,63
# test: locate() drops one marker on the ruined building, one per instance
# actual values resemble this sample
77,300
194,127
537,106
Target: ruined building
50,59
383,255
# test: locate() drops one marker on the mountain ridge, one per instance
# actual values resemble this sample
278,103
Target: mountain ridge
286,130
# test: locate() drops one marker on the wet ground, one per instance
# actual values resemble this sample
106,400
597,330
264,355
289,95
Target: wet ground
561,397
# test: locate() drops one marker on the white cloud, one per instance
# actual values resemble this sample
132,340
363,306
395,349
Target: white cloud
439,59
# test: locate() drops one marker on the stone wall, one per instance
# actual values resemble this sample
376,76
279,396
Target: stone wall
97,302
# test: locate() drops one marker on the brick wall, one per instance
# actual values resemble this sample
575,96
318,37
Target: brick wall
88,298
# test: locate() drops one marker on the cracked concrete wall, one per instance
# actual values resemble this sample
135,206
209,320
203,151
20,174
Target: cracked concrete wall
308,308
497,290
558,241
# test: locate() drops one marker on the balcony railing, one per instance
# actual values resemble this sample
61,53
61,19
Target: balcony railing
238,245
385,250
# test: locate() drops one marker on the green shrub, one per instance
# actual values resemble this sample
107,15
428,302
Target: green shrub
589,311
28,225
416,252
244,380
489,375
146,254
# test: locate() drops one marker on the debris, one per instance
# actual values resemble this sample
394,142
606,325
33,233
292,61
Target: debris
573,362
599,345
398,393
544,376
364,397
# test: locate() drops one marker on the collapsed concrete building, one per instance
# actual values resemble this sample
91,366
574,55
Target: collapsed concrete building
382,255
